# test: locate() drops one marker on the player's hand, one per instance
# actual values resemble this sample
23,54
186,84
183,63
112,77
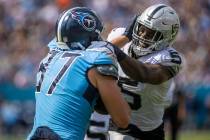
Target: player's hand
131,130
129,29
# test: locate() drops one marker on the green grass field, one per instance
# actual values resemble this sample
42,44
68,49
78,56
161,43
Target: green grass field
191,135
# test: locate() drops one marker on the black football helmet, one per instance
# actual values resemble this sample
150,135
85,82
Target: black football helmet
78,25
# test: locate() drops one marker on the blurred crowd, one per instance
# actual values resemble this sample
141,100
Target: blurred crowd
26,26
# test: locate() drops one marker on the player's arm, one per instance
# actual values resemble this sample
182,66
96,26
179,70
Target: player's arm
111,96
126,36
143,72
146,73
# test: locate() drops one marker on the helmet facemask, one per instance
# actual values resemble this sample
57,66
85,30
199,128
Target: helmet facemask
144,39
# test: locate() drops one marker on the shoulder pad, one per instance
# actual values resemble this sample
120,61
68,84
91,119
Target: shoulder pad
172,59
102,46
115,33
168,57
108,70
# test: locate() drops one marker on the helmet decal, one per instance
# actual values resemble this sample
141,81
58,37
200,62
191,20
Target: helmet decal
78,24
86,20
155,11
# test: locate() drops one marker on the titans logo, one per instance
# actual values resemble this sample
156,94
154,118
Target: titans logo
85,19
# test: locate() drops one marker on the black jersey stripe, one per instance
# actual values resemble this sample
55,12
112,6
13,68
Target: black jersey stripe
171,71
155,11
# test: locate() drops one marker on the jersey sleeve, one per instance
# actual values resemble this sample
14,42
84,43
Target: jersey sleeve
108,70
105,61
115,33
172,60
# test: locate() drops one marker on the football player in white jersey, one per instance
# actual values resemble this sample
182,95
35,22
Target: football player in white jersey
146,77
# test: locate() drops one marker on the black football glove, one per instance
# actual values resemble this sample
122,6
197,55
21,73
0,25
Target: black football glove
128,33
129,29
131,130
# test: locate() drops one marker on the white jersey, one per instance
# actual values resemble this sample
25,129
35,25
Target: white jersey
146,100
98,129
154,98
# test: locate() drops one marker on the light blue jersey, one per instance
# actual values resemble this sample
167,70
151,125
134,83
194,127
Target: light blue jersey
64,96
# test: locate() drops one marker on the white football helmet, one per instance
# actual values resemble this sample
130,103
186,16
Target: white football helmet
155,29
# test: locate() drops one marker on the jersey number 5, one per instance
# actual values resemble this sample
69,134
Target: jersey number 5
135,104
175,57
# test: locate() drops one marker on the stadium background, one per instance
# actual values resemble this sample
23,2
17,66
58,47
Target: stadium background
26,26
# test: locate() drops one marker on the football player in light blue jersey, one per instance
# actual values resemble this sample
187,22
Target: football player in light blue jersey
72,78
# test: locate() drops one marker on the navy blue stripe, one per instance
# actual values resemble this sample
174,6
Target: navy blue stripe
43,69
90,94
54,83
171,71
96,123
63,70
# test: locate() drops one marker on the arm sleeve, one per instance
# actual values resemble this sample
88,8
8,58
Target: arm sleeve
108,70
106,62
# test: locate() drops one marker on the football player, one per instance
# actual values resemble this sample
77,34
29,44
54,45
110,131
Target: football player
146,77
71,78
